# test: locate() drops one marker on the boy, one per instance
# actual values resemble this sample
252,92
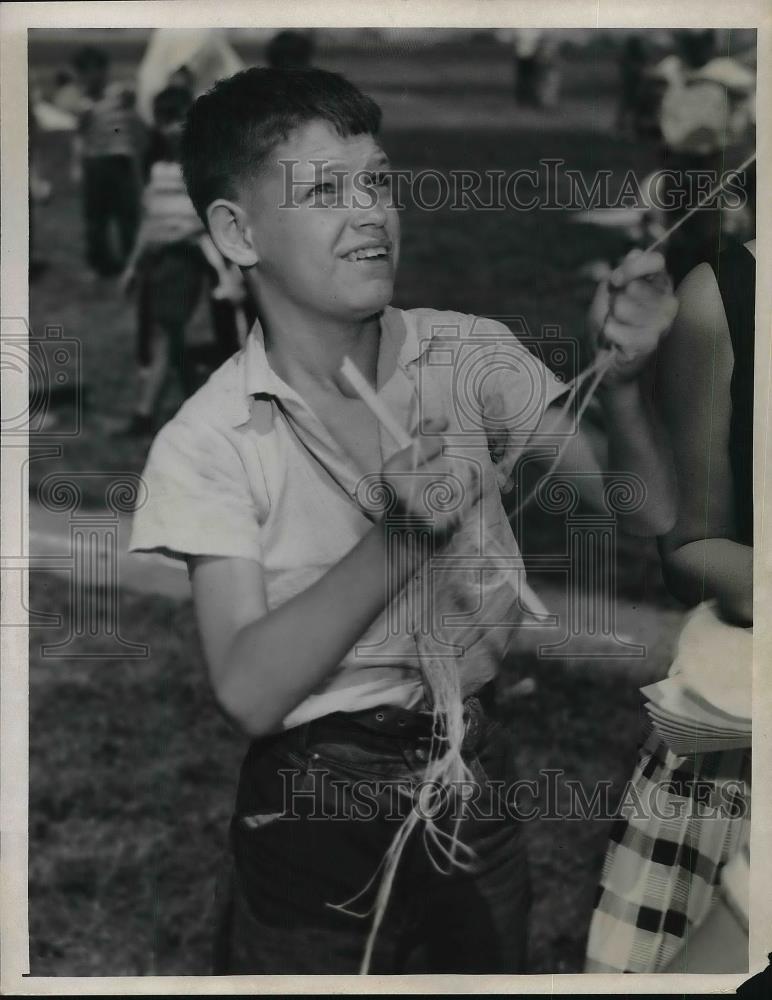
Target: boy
316,608
105,157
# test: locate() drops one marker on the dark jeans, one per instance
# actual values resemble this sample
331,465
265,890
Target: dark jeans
110,195
316,810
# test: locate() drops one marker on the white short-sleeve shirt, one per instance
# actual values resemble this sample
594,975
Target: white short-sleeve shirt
246,469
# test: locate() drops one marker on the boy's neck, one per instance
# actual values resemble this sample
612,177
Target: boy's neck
307,352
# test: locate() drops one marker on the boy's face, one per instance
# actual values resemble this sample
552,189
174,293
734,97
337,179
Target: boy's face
326,234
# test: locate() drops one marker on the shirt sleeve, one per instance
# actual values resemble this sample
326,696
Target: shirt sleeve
515,392
197,498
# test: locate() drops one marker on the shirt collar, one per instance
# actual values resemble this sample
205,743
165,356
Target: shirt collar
259,379
395,327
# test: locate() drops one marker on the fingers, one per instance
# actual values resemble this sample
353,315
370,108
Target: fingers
632,309
435,489
642,311
630,340
640,293
636,264
647,291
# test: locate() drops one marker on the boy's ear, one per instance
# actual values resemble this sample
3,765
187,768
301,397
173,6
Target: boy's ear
231,232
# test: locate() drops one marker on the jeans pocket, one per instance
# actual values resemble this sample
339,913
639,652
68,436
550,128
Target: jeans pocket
351,760
268,780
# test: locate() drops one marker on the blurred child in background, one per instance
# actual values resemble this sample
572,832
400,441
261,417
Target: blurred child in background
105,159
170,262
290,50
194,59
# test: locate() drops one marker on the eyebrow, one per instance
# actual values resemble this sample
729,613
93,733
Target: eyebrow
378,160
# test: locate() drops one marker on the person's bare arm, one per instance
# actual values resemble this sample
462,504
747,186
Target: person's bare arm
701,555
637,444
263,663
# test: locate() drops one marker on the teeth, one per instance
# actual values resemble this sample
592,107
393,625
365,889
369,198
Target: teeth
367,252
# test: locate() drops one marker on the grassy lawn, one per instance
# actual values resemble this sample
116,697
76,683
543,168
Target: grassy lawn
132,769
133,773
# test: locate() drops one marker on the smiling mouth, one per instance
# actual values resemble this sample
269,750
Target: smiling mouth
369,253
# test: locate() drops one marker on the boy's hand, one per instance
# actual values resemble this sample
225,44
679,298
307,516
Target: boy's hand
631,312
429,489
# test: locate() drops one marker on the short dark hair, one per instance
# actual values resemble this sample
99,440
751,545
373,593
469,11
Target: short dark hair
232,128
90,57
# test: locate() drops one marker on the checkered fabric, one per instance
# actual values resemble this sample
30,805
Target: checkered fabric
681,818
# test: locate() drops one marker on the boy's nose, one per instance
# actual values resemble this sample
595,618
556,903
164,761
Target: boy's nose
370,209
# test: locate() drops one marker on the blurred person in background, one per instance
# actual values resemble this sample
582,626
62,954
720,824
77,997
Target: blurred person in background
106,160
39,191
549,70
733,85
695,48
195,59
169,263
527,51
183,76
67,94
706,126
632,63
290,50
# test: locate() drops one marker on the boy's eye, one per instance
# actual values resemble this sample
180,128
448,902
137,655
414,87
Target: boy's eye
324,188
381,179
